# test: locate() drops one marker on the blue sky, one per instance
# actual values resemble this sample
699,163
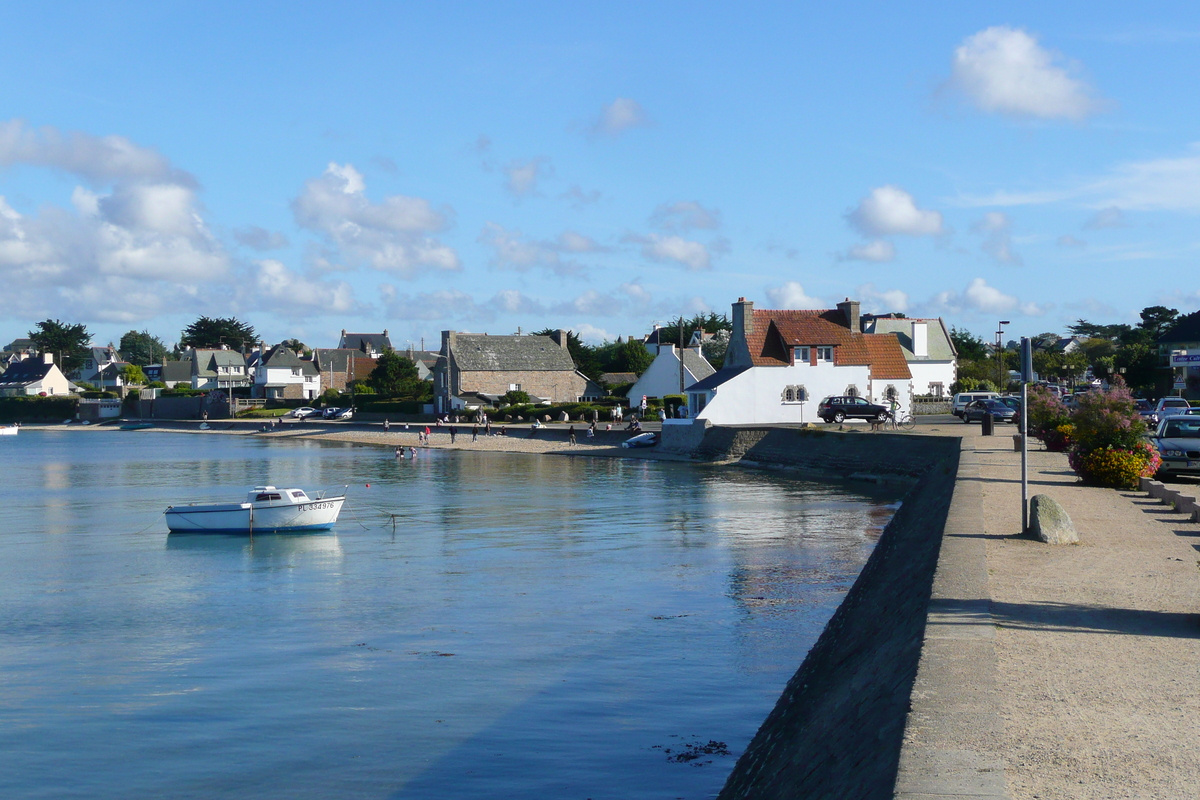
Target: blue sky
490,167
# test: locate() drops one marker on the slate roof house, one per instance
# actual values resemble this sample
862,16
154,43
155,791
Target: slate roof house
780,361
34,376
283,375
372,344
477,369
218,369
927,348
338,367
94,363
662,377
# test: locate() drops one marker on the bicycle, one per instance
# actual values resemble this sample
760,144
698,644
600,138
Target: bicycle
907,422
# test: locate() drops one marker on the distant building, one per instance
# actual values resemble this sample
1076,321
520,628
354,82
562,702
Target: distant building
94,363
218,369
928,349
283,375
780,364
663,376
1179,349
477,369
373,345
34,376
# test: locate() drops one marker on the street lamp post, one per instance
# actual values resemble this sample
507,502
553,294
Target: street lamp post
1000,355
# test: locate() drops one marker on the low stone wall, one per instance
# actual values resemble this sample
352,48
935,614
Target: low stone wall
838,727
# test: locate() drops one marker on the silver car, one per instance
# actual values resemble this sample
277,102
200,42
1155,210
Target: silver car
1178,441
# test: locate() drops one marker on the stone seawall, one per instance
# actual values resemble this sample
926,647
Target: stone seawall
837,729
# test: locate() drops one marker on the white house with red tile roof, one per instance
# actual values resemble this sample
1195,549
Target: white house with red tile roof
780,364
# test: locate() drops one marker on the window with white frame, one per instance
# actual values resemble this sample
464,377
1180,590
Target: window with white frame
804,354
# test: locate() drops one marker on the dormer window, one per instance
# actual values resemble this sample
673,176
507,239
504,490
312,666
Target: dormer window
804,354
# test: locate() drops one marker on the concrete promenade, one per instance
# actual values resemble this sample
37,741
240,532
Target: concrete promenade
1056,671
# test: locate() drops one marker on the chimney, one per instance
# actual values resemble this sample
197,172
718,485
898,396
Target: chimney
47,358
920,339
743,316
850,309
449,342
560,338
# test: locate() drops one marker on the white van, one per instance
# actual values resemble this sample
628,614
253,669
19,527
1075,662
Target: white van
965,398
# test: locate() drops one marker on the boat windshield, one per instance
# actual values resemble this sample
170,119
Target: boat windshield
268,496
299,495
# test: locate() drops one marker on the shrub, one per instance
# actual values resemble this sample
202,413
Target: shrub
1047,415
1116,468
1107,447
515,397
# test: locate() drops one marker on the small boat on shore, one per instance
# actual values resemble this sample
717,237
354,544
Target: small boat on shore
9,430
136,426
641,440
266,510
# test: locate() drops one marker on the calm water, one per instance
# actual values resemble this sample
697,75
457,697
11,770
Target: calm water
535,626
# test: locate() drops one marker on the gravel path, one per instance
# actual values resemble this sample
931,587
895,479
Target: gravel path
1097,644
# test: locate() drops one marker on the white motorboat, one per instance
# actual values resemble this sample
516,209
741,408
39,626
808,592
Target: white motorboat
9,430
266,510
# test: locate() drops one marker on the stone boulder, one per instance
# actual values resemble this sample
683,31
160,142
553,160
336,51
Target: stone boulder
1048,521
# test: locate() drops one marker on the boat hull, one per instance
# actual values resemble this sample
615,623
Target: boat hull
8,430
312,515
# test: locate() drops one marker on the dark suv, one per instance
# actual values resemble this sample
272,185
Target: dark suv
836,409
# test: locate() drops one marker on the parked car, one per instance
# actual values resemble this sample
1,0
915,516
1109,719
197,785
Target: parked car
1166,406
303,411
997,410
836,409
1145,410
1012,401
1178,441
345,413
330,413
963,399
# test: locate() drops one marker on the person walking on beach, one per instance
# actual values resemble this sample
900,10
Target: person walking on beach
571,435
386,425
592,430
426,434
453,433
474,432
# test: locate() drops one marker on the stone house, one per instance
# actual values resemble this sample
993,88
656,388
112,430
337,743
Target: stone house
283,375
779,362
338,366
477,369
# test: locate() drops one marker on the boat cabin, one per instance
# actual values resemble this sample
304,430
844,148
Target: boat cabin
269,494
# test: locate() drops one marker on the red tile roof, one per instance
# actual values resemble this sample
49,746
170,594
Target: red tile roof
777,332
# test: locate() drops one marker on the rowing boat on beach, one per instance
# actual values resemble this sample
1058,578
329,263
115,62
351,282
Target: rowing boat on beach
266,510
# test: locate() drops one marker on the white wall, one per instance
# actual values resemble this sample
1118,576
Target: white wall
927,372
662,377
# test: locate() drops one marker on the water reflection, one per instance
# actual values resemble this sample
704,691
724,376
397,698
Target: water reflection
534,627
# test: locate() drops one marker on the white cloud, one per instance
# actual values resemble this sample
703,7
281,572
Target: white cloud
674,249
685,215
291,295
980,298
996,226
99,160
391,236
619,116
591,334
1004,70
510,301
880,250
1159,184
889,210
511,251
791,295
523,176
1067,240
1111,217
440,305
881,301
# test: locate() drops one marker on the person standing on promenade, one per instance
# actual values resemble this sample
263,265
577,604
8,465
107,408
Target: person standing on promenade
571,435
